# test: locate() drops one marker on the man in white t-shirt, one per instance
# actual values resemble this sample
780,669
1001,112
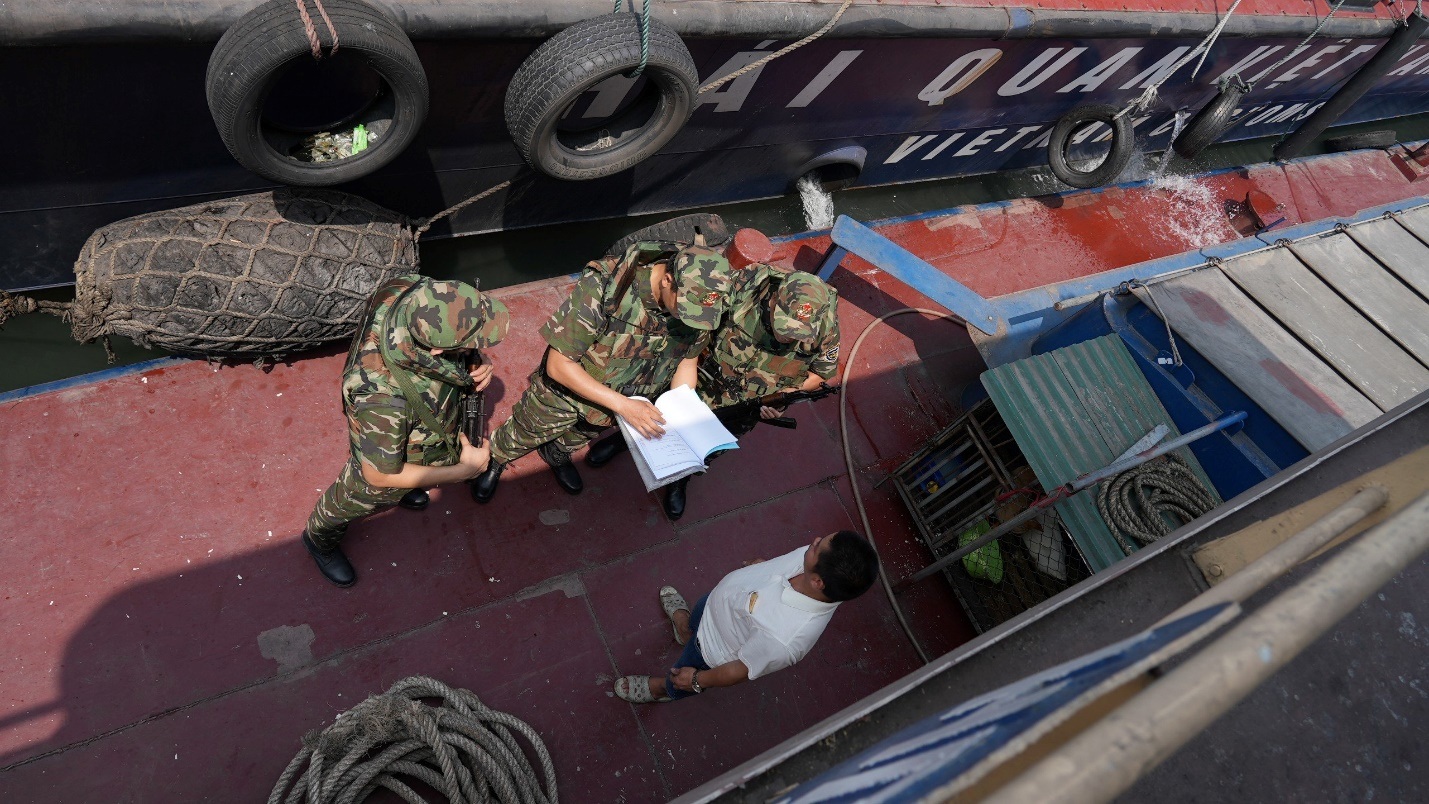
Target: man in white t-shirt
759,619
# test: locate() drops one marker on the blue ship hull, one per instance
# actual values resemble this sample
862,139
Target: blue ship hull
99,132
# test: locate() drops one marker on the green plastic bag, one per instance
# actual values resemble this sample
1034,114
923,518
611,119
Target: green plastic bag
984,563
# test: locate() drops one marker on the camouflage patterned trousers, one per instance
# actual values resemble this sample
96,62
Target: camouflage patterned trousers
348,499
543,415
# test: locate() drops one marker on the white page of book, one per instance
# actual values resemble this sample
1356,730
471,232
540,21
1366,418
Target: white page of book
702,430
667,454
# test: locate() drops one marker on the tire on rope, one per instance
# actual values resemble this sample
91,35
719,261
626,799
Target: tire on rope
256,276
1382,138
374,79
1060,143
575,60
678,230
1211,122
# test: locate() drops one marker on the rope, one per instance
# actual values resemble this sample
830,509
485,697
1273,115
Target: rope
1148,95
716,84
1294,51
12,305
459,747
1170,336
457,207
644,34
312,31
853,477
1135,502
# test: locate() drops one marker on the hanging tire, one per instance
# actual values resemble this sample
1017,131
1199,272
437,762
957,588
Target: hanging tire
1211,122
1365,139
1060,143
575,60
273,103
677,230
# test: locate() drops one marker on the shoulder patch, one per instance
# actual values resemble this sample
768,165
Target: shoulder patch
831,355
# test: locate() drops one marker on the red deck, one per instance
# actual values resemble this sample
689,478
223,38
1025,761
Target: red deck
167,639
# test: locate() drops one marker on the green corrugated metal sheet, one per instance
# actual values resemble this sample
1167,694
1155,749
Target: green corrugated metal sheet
1075,410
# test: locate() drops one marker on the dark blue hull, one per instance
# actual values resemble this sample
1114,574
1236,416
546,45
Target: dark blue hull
99,132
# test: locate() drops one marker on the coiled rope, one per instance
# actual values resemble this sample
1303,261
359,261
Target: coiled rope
460,747
1134,502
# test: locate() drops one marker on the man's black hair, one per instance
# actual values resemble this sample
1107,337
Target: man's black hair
848,568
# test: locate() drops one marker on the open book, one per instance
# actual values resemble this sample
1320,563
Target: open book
692,434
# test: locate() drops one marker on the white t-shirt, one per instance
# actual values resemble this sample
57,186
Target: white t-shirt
755,616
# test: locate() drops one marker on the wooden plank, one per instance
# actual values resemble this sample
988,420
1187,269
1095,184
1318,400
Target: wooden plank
1416,222
1312,402
1397,249
1376,293
1325,322
1406,478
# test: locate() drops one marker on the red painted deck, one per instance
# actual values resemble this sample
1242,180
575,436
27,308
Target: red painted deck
166,638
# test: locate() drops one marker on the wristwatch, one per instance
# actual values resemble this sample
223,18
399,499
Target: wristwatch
695,682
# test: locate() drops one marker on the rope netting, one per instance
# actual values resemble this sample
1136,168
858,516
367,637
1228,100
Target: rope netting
459,747
258,275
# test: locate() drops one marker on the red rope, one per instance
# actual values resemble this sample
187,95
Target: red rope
312,31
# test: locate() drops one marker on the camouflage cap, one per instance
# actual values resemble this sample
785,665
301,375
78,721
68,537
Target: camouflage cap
451,314
702,283
803,300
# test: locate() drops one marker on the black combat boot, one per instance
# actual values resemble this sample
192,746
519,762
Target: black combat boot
604,450
331,563
560,462
483,488
675,499
415,500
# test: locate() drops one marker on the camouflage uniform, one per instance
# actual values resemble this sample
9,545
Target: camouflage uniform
622,338
745,361
383,431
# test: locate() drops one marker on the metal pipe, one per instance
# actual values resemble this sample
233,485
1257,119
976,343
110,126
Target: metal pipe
1261,572
71,22
1068,489
1357,86
1106,759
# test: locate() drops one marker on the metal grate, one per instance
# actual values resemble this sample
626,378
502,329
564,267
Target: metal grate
963,483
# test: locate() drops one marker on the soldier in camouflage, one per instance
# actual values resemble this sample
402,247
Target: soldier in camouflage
401,390
633,326
781,334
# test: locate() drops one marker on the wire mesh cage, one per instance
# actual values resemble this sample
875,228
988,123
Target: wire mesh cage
962,484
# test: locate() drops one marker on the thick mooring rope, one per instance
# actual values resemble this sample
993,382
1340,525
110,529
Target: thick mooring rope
719,82
425,224
1133,502
311,30
12,305
459,747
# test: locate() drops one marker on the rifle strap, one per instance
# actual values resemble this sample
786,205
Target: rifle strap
399,376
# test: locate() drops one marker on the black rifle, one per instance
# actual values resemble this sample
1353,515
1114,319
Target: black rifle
741,411
473,408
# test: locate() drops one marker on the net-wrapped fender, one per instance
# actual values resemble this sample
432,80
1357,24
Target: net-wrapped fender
258,276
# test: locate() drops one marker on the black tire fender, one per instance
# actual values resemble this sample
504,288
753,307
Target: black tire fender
1122,146
1381,138
575,60
678,230
251,57
1211,122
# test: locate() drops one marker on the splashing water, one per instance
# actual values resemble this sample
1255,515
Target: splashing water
1170,151
1200,218
818,204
